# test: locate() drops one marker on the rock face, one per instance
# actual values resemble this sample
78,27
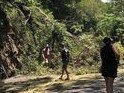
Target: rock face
9,46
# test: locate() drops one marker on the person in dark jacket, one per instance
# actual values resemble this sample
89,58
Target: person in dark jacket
65,61
109,57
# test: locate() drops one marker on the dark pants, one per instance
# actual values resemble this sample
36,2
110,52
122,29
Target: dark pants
65,63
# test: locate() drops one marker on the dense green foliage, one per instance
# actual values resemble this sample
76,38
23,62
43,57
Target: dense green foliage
81,24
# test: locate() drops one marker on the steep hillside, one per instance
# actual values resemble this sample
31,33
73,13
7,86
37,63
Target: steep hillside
26,26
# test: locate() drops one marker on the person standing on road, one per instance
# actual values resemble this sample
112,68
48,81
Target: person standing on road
65,61
110,61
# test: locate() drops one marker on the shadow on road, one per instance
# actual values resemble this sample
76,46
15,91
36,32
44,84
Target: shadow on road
17,87
77,86
86,86
80,85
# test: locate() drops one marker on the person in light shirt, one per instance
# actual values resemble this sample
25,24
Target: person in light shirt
46,53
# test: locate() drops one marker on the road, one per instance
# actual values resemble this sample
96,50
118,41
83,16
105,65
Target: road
90,83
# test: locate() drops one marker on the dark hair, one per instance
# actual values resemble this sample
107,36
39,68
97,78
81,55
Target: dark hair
107,40
115,38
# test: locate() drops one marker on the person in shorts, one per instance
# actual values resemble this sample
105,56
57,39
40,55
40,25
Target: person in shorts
46,53
65,61
110,58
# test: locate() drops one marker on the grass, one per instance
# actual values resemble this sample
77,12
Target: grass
45,70
75,70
